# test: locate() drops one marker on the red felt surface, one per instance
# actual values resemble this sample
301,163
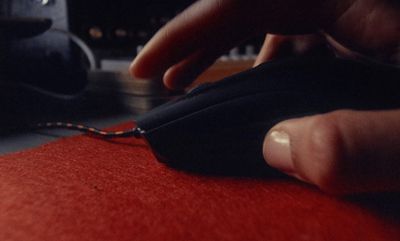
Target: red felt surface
82,188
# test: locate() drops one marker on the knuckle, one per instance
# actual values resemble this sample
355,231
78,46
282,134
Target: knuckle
327,152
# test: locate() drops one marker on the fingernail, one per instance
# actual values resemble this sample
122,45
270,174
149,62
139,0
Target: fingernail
277,151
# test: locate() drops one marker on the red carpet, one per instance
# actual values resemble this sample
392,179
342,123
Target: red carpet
82,188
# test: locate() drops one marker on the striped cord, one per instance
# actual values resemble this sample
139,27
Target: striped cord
136,132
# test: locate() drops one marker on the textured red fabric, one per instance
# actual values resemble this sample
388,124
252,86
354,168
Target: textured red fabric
83,188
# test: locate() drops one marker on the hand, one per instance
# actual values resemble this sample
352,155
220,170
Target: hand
280,46
341,152
191,42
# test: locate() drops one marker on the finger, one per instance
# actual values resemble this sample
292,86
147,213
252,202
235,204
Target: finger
341,152
182,74
370,29
222,24
207,25
279,46
274,46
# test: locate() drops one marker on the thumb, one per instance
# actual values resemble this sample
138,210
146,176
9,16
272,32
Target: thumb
341,152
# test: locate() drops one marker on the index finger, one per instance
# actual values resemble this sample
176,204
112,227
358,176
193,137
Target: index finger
218,25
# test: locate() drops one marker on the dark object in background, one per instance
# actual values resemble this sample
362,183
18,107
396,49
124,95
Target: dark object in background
51,62
120,28
48,62
114,30
42,73
117,28
19,28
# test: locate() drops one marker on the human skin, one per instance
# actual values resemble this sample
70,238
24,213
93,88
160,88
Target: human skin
341,152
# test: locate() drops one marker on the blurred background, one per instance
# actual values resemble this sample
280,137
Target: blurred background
67,60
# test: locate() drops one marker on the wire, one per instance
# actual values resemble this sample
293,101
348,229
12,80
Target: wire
81,44
136,132
85,49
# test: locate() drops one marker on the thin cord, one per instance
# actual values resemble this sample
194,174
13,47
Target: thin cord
85,49
81,44
136,132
